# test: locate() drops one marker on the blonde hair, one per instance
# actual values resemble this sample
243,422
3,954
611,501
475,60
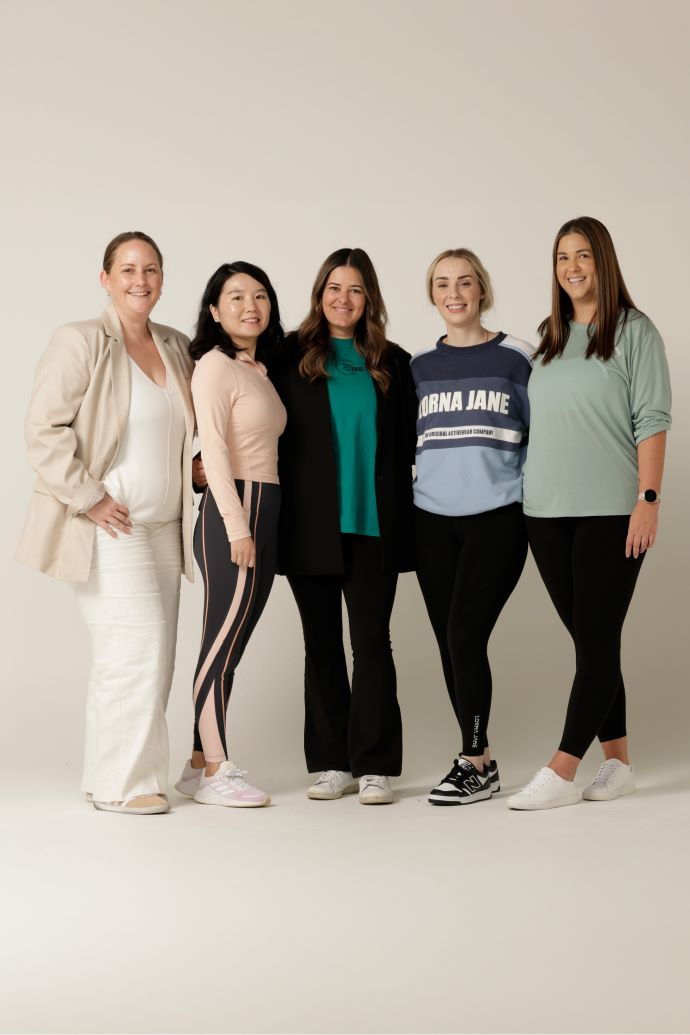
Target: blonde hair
480,272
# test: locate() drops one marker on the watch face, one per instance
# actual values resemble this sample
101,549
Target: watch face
650,496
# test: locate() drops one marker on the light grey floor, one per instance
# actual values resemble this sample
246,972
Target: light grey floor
332,917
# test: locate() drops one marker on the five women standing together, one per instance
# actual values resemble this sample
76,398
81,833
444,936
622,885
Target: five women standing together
326,418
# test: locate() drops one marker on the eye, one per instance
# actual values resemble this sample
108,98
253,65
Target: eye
235,298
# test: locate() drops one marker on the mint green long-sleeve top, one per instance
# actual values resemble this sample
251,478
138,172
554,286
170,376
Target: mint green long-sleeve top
587,419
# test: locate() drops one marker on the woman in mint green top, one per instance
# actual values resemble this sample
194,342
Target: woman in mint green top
346,525
600,403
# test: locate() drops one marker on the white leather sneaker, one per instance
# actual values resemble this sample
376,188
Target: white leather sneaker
332,783
375,790
546,790
613,780
188,784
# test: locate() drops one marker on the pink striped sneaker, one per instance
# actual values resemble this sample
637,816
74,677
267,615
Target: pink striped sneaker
229,787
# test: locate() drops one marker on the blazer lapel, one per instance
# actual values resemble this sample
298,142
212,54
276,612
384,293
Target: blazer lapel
119,370
174,371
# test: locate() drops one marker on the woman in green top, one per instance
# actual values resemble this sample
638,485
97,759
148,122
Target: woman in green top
345,464
600,403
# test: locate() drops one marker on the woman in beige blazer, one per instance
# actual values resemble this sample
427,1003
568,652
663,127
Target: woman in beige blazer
109,433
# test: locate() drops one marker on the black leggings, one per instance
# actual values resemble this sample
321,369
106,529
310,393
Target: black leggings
467,568
234,599
358,730
591,582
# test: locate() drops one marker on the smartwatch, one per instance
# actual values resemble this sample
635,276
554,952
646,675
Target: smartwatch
649,496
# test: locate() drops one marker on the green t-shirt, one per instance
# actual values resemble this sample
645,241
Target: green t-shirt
352,398
587,418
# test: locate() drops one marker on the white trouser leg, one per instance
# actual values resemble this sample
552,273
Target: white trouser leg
130,605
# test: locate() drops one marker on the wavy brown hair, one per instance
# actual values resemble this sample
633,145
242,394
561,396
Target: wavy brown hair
612,296
370,332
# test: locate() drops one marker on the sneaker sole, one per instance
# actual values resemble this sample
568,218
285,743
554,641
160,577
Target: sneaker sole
546,805
235,804
376,801
484,795
608,797
326,796
152,810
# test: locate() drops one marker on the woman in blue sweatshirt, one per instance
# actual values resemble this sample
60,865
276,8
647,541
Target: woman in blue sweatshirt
472,423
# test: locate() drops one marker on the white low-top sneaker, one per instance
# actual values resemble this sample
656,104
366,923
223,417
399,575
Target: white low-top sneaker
546,790
228,787
333,783
613,780
188,784
375,790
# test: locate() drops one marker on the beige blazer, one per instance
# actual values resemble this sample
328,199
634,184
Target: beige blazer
76,419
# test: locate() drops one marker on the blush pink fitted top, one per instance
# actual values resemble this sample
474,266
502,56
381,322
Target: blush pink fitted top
240,418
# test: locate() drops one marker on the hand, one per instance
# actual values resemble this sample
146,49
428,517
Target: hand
642,528
198,473
110,515
243,552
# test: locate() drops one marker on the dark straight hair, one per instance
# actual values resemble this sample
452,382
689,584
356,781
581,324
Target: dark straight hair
370,332
612,296
210,335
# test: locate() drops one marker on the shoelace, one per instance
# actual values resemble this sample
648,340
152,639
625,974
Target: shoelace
605,771
373,781
330,777
236,777
536,783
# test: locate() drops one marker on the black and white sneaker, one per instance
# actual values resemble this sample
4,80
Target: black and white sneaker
462,785
492,770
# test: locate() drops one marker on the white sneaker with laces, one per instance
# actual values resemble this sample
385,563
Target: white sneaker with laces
188,784
613,780
228,787
546,790
332,783
375,790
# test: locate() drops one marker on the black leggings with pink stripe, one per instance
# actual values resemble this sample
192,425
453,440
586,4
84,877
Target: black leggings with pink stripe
234,599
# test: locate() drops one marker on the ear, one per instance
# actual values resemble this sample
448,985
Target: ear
104,278
214,313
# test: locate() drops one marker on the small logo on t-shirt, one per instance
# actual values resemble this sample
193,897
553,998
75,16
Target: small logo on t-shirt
346,366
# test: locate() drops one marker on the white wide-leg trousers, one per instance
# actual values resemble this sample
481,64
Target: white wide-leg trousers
130,605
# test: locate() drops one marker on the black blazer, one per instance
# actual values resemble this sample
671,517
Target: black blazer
309,531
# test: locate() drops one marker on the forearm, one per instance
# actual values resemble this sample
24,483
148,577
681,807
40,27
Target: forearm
650,462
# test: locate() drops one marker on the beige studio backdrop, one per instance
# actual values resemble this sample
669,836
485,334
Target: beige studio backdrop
276,132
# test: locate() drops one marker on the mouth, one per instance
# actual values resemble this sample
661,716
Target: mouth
139,294
456,307
251,319
575,280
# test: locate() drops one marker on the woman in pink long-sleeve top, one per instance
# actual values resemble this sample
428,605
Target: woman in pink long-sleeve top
240,418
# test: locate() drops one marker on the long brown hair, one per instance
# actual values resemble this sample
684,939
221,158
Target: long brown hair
370,332
612,296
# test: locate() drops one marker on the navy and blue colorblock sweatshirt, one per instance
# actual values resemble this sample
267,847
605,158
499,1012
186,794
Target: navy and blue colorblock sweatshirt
472,425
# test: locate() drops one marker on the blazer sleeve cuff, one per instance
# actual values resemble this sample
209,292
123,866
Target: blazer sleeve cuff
86,497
